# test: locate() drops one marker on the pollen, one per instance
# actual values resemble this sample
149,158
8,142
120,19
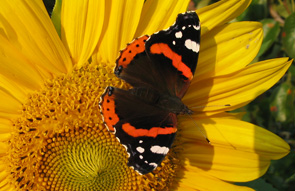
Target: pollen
61,143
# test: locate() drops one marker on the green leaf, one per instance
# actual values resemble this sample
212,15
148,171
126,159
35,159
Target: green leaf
292,71
280,174
281,106
281,8
55,17
271,31
289,35
201,3
258,185
256,11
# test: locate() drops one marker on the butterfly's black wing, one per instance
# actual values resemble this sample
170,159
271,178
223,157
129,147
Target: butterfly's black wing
146,131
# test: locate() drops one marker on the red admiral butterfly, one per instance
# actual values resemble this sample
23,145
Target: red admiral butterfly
159,68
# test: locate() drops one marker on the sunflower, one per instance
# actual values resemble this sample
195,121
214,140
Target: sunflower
52,135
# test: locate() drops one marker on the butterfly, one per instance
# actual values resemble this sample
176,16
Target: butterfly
159,68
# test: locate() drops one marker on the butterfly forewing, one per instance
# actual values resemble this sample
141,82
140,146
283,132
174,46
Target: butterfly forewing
175,52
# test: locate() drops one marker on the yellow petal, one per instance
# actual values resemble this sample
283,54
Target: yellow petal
15,89
2,166
3,177
236,89
239,151
220,13
16,68
81,24
9,105
158,15
226,131
228,48
5,130
28,27
5,184
226,164
120,23
3,149
5,126
198,179
5,136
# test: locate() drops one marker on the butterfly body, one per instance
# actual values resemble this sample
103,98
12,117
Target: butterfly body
159,68
165,102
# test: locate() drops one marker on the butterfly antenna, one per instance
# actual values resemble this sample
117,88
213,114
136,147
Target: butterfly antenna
199,128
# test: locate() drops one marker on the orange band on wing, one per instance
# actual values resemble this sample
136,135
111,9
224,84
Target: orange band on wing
153,132
161,48
108,110
135,47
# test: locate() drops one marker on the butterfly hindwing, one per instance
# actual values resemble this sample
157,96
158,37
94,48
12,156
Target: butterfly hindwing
146,152
146,132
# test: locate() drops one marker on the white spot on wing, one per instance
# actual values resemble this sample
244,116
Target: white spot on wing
146,161
173,42
192,45
126,150
140,141
178,34
140,156
153,164
140,149
159,150
183,28
135,170
197,27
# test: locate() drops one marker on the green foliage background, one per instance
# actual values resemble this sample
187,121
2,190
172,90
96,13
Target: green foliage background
274,110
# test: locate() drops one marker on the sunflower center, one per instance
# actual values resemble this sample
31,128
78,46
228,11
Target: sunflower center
89,160
61,143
